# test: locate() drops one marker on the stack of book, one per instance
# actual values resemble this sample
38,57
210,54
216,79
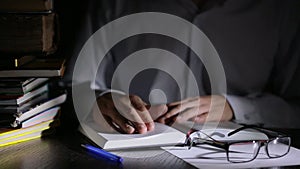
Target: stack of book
30,70
26,104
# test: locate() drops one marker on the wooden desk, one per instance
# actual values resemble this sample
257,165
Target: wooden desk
63,150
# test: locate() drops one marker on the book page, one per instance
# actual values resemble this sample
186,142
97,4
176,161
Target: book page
158,130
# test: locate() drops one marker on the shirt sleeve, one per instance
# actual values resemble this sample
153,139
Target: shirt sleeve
279,105
268,109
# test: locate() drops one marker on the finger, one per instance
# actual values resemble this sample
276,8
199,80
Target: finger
220,111
174,111
180,102
102,121
177,103
201,118
161,120
188,114
124,106
193,112
120,123
170,121
137,103
105,121
134,117
126,109
142,111
147,120
157,111
182,107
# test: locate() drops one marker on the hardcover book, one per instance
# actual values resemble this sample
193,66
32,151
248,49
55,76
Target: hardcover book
20,86
25,98
13,62
28,34
26,6
39,68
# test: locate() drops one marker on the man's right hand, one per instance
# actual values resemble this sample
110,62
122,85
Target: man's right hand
128,114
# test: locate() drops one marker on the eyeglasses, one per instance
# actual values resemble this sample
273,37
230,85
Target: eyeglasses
277,144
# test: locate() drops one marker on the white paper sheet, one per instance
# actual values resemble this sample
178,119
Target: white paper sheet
211,157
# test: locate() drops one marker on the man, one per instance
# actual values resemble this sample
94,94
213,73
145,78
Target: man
258,44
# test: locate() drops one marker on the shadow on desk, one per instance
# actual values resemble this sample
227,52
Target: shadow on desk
63,150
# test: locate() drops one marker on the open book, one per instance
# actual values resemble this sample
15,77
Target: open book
160,136
164,135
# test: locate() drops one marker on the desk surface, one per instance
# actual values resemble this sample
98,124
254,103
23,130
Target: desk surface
63,150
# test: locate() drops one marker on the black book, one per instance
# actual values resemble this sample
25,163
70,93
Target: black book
24,6
14,120
25,98
28,34
39,67
18,87
16,110
13,62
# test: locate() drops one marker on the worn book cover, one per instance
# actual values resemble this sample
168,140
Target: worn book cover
28,33
14,62
39,67
26,5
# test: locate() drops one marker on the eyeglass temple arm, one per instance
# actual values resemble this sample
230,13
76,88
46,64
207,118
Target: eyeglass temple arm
211,142
215,143
265,131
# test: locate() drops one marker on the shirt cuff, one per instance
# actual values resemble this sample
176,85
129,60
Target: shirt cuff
244,109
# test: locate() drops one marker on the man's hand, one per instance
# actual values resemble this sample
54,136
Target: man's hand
128,114
197,109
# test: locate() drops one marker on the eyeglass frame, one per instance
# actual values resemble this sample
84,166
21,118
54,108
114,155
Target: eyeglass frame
272,135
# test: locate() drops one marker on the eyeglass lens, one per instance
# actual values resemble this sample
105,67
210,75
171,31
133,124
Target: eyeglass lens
278,147
243,151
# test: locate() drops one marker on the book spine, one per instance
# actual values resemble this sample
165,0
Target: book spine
38,109
32,94
34,84
15,62
49,36
42,117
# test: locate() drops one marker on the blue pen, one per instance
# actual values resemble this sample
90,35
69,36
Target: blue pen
103,154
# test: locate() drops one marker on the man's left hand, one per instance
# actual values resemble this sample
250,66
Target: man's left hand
199,110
